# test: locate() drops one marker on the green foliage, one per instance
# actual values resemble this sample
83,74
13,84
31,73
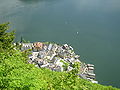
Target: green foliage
65,65
76,67
6,38
16,74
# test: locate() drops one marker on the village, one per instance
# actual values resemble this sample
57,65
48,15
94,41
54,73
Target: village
57,58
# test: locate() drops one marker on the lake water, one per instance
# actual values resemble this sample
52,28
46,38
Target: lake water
92,27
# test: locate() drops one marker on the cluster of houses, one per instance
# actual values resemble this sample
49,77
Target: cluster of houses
57,58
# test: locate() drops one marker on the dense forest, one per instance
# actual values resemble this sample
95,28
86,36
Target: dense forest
17,74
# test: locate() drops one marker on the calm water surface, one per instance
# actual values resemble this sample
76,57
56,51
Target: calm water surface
96,21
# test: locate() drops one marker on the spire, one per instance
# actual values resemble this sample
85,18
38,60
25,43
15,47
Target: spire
21,40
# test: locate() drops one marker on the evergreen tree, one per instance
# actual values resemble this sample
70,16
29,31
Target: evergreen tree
6,38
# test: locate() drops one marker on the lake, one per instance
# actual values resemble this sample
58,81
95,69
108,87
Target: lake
92,27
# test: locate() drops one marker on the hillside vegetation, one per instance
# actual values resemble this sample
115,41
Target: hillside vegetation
17,74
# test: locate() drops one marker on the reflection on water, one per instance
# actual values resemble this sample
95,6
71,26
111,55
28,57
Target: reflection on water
31,1
35,1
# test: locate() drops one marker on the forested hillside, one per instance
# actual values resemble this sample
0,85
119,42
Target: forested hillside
17,74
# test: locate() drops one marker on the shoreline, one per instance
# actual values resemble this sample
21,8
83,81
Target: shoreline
57,58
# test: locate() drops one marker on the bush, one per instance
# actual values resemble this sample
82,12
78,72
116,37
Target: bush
16,74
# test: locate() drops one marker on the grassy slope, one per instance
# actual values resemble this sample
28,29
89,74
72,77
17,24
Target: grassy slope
16,74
